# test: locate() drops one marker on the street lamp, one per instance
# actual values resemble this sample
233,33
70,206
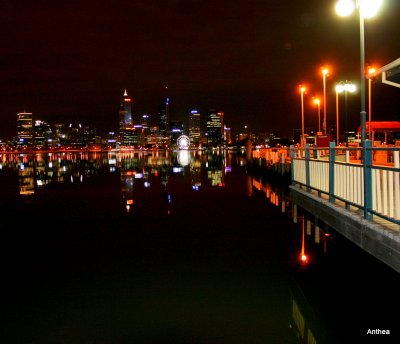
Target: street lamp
338,89
371,71
302,90
325,72
367,9
344,87
317,102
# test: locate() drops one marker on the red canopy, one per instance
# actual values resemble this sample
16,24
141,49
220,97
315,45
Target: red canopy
382,126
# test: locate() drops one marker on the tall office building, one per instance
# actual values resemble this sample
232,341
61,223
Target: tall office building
215,128
126,130
25,128
227,135
164,117
146,124
42,133
194,128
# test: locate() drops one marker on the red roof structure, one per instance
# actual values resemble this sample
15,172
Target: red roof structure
382,126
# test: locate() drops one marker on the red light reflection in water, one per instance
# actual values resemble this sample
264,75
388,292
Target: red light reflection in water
303,256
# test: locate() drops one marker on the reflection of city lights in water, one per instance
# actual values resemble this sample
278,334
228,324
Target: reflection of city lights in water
177,169
183,157
129,202
303,256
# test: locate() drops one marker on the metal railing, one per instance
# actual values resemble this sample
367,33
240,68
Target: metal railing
365,177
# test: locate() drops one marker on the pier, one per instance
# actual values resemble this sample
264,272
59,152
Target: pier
354,190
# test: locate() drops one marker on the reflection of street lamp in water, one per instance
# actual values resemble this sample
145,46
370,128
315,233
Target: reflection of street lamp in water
303,256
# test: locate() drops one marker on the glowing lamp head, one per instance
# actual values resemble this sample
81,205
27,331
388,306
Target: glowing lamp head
302,89
371,70
325,71
369,8
350,88
345,87
316,101
339,88
345,7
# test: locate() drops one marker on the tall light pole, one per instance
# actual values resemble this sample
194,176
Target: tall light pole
371,71
338,89
345,87
367,9
302,90
317,102
324,74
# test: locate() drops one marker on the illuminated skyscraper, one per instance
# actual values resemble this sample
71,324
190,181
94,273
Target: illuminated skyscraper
146,124
126,130
164,117
194,127
215,128
25,128
42,133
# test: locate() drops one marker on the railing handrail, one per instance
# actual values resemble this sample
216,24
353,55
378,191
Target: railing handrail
372,183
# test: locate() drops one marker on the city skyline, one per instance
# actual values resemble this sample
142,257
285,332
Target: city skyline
247,58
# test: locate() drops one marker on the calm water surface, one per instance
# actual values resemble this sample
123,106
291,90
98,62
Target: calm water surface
176,247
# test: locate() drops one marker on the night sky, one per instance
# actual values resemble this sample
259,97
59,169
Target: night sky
70,61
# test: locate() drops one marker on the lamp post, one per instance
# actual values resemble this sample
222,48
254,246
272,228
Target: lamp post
324,74
371,71
345,87
338,89
317,102
367,9
302,90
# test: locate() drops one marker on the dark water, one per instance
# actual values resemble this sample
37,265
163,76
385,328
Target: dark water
176,248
